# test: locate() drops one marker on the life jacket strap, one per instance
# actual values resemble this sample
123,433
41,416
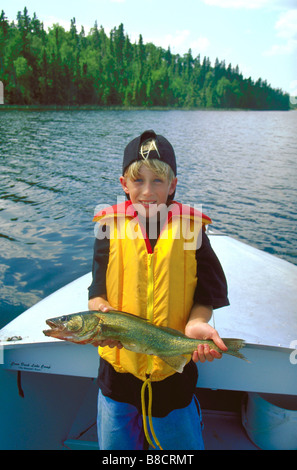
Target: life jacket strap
147,384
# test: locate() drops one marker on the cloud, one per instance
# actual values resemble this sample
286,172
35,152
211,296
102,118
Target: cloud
248,4
252,4
50,20
293,88
178,39
286,29
199,46
282,49
291,4
175,41
286,26
180,42
293,92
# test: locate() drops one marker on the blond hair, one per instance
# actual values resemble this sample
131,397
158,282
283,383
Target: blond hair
158,167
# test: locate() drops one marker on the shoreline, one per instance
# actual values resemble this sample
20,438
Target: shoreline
38,107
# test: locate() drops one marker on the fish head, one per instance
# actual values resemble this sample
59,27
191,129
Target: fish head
76,327
65,324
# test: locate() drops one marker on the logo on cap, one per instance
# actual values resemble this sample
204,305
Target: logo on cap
147,147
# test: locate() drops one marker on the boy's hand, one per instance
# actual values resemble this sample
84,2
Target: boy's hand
198,327
101,304
204,331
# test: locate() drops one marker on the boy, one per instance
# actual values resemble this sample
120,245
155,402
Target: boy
144,264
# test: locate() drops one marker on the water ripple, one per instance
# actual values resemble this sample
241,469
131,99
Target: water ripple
56,167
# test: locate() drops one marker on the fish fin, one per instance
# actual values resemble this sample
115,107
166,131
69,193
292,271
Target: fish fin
176,362
131,346
233,345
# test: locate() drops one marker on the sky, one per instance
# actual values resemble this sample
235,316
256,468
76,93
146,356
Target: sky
260,36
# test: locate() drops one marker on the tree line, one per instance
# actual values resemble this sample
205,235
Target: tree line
60,67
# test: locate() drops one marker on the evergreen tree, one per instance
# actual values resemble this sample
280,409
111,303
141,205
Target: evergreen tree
61,67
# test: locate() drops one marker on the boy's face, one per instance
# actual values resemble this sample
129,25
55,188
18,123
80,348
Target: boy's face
148,191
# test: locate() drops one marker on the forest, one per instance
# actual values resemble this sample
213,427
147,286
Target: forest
71,68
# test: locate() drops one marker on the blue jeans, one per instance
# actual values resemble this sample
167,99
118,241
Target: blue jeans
119,427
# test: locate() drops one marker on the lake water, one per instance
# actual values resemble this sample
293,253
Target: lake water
56,166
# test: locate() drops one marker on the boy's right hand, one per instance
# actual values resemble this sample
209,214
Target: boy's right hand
101,304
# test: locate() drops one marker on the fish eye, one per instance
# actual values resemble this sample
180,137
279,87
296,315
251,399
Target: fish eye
63,318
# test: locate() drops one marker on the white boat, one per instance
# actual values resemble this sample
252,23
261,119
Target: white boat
48,390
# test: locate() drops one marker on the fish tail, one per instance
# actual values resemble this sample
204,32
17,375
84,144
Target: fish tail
234,345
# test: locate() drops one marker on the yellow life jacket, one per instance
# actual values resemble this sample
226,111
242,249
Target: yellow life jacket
158,285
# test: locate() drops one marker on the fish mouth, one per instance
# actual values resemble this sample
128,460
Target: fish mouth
55,328
53,324
48,332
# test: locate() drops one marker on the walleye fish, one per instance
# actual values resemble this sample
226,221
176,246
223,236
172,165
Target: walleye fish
135,334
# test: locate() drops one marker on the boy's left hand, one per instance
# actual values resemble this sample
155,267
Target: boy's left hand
201,330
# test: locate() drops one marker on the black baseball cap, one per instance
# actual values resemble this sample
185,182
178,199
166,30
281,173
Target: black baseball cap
163,151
